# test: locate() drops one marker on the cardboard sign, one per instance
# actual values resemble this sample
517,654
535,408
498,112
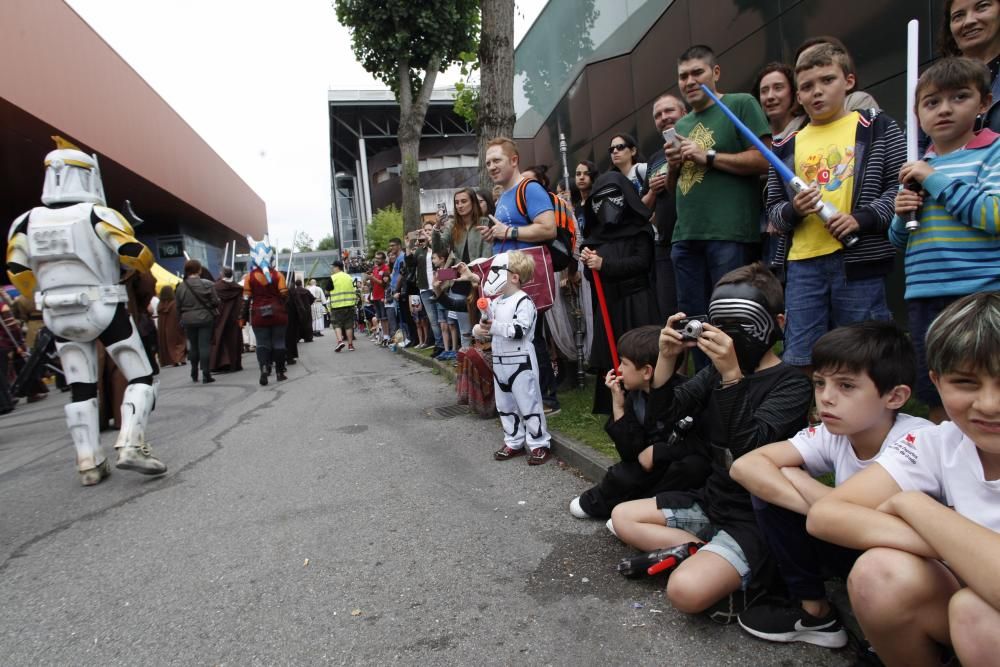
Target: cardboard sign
542,286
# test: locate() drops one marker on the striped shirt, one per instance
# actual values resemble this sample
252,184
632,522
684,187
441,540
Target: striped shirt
956,250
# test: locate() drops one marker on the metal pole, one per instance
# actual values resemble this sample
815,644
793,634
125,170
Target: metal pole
565,159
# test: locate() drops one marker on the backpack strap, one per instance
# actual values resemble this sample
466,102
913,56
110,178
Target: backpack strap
521,196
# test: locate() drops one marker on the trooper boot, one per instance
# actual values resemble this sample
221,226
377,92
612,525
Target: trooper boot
279,363
82,420
134,453
194,372
265,371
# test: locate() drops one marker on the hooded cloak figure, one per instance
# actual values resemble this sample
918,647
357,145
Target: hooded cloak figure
619,232
227,340
299,319
172,345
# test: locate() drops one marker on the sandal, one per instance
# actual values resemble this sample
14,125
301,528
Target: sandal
506,453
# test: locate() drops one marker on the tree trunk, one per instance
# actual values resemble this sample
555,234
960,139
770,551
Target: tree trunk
411,121
496,88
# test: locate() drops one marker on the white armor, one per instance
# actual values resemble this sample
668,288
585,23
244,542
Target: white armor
73,255
515,371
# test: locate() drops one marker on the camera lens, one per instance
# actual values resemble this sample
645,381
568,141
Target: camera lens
693,329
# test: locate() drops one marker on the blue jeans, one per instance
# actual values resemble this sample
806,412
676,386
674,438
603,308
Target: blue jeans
698,265
819,297
921,312
430,307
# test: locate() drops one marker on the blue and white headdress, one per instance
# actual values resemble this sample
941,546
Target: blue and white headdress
261,255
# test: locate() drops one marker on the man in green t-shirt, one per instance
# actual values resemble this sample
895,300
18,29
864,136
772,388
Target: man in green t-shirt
716,173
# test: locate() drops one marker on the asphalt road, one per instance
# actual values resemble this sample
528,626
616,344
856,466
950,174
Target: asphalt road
328,519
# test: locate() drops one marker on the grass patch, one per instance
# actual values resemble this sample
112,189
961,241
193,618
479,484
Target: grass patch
576,421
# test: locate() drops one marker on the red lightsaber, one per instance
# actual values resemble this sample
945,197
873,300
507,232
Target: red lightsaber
596,278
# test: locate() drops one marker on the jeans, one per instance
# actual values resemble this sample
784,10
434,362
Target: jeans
921,312
698,265
546,376
199,345
393,314
819,297
464,328
666,283
270,344
803,560
430,307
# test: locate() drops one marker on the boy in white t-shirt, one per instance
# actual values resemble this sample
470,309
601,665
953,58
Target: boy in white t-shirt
929,512
863,374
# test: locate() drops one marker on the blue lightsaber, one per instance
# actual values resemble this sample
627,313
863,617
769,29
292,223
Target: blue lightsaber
826,210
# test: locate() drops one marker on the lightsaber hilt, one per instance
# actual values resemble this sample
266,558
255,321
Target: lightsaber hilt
825,212
912,221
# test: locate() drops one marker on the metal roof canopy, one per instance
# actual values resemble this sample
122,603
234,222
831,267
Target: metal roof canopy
373,116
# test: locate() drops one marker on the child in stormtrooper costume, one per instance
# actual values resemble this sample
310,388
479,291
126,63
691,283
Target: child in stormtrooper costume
68,254
511,321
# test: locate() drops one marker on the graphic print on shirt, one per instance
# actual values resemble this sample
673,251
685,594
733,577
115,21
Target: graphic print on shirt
691,173
829,169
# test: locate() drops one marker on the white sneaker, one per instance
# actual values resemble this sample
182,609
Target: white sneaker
576,510
611,527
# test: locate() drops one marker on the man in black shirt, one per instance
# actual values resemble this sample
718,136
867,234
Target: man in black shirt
667,109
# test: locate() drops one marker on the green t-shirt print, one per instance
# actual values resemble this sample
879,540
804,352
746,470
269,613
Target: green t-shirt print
714,205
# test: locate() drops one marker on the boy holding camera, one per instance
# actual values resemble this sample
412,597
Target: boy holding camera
862,376
635,427
747,398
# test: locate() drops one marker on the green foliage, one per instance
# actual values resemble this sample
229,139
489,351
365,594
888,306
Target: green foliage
327,243
576,420
385,33
466,94
303,242
386,224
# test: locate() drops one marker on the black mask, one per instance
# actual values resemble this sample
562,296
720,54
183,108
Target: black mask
608,205
740,310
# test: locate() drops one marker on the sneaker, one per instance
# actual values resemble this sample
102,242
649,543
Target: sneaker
539,455
789,622
551,409
139,458
728,609
95,475
506,453
438,351
577,510
611,528
340,346
350,348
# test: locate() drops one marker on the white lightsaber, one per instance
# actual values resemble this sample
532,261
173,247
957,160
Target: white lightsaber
912,124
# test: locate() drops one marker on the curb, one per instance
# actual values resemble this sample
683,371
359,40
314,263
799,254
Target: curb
589,462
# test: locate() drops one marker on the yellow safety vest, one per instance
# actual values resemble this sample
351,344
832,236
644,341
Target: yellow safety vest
342,294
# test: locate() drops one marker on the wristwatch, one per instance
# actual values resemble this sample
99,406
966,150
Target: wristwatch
513,233
710,157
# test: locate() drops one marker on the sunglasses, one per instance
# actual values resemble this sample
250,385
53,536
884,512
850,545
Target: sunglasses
617,147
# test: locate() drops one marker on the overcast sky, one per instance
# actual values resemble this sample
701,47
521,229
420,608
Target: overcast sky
251,77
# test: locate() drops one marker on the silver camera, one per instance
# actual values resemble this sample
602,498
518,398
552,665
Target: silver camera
692,330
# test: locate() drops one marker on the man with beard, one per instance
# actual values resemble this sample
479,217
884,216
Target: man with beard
227,340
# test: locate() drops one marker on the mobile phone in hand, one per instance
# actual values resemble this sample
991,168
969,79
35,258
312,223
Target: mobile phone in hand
447,274
670,136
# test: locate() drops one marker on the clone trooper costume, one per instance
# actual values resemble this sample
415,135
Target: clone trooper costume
67,253
515,369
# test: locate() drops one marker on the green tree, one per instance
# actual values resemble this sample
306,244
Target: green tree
327,243
303,242
495,100
405,44
386,223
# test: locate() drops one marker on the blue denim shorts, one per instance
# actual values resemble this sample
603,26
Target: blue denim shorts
818,297
440,312
694,520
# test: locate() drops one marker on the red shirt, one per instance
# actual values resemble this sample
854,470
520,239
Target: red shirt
378,286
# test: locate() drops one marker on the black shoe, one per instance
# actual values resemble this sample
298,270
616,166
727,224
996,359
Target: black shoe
438,351
264,372
291,362
194,373
789,622
281,374
316,333
208,379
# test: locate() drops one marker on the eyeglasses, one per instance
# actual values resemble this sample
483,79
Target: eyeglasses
617,147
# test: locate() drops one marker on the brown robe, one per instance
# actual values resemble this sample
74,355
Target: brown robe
227,338
172,347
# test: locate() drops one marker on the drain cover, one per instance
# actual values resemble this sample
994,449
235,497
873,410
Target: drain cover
449,411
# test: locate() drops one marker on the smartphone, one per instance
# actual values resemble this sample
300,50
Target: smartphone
442,209
447,274
671,137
